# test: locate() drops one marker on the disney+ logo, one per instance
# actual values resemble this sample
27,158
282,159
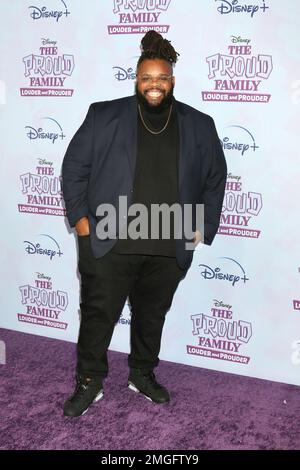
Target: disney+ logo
122,74
231,277
240,144
40,134
38,249
37,13
233,6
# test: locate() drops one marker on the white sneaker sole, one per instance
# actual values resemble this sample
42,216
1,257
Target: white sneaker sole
131,386
98,397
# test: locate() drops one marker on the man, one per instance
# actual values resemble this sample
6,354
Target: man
152,149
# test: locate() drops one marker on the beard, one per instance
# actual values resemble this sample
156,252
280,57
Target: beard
155,108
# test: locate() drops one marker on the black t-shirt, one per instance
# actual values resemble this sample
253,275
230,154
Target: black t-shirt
156,179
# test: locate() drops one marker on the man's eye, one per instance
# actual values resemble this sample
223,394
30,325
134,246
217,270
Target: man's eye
160,79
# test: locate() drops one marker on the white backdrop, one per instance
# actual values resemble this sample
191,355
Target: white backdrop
238,309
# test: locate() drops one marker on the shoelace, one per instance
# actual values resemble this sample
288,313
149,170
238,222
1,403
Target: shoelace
89,383
81,388
149,375
150,378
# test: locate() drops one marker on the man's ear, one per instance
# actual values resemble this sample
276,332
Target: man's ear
173,81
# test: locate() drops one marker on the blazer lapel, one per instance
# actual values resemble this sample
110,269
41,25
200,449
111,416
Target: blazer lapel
184,141
129,129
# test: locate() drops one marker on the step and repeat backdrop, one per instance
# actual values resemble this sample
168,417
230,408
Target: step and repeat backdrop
238,309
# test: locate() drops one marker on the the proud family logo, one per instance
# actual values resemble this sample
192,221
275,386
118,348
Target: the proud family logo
238,140
42,304
122,74
238,74
48,248
219,336
42,190
230,271
52,133
39,12
139,16
235,6
47,71
239,209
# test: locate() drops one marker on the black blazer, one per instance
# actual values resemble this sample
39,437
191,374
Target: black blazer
99,166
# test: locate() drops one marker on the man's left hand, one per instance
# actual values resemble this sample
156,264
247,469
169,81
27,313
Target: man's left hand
198,237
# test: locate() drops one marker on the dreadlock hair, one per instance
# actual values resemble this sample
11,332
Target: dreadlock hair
154,46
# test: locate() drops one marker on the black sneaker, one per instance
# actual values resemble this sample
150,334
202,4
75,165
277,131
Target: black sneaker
86,393
145,383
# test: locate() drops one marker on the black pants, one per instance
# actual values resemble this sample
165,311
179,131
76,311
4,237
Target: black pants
150,283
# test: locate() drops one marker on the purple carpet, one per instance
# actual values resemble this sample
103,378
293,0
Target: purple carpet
208,409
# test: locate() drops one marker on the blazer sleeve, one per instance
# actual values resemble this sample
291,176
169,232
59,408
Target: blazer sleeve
76,167
213,194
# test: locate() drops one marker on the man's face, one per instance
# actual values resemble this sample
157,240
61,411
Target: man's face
155,84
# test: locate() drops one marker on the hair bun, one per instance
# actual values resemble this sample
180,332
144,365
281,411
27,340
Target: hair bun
151,41
154,46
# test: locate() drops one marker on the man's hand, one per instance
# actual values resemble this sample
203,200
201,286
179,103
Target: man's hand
82,226
198,237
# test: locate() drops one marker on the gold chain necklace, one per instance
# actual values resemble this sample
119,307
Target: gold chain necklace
153,132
